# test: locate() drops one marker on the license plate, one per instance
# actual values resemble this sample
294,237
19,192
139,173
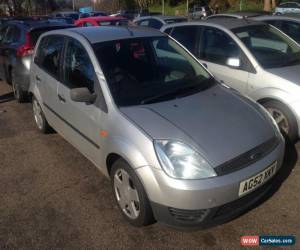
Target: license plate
257,180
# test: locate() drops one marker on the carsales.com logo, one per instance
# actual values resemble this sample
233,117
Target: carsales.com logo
254,240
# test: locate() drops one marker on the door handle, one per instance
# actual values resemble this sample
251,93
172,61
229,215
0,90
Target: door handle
205,65
61,98
37,78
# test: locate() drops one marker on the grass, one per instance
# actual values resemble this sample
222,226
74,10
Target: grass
181,8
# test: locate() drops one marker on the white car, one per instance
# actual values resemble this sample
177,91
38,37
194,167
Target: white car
287,7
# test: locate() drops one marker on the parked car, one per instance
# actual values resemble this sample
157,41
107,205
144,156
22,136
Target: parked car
157,22
66,20
176,144
101,21
287,7
199,12
72,14
17,41
254,58
288,25
128,14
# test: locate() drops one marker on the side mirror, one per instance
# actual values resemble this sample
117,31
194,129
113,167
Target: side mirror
82,95
233,62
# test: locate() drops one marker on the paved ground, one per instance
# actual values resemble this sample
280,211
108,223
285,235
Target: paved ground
51,197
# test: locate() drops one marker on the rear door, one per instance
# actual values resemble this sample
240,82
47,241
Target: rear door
83,121
46,75
216,47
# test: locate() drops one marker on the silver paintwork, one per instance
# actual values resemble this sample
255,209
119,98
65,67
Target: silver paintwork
219,123
280,84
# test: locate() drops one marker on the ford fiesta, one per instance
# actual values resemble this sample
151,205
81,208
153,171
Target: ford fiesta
179,147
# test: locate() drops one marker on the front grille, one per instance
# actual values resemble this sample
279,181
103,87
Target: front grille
187,216
247,158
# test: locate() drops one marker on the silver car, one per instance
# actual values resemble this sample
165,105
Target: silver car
252,57
287,7
156,22
178,146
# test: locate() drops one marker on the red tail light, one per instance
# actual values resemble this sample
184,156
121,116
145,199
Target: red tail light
26,49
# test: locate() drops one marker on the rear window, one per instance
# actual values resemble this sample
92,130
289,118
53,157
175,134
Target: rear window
35,34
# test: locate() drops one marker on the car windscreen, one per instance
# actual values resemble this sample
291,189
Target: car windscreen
149,70
270,47
175,20
114,23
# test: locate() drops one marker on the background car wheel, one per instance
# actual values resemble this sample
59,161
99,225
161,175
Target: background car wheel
39,117
130,195
19,94
284,118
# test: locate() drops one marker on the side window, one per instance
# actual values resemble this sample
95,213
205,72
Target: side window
155,24
49,54
292,29
2,34
12,35
187,36
168,31
78,68
145,22
217,46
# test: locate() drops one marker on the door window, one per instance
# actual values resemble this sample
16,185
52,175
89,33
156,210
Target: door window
12,35
187,36
144,23
217,46
155,24
78,68
49,54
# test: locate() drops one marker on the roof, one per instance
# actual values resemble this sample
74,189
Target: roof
275,17
229,23
101,18
239,14
31,24
110,33
161,17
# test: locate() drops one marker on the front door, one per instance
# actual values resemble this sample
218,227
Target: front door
216,47
83,120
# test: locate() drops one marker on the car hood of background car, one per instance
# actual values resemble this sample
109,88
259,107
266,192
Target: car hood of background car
289,73
219,123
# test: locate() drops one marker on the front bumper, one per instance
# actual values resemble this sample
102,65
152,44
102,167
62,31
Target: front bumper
207,201
205,218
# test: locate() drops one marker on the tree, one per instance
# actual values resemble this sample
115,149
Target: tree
267,5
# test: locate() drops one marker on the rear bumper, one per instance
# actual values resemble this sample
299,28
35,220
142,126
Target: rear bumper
21,72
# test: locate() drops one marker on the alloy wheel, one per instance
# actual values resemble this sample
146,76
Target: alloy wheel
126,194
280,119
37,112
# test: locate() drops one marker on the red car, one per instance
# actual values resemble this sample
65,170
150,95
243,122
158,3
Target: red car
101,21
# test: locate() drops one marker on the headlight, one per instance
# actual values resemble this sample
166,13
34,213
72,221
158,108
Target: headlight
182,162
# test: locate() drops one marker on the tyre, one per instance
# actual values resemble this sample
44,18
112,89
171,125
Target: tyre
130,195
39,117
284,118
19,94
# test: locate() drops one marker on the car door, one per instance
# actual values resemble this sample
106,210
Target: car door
46,75
82,120
216,49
